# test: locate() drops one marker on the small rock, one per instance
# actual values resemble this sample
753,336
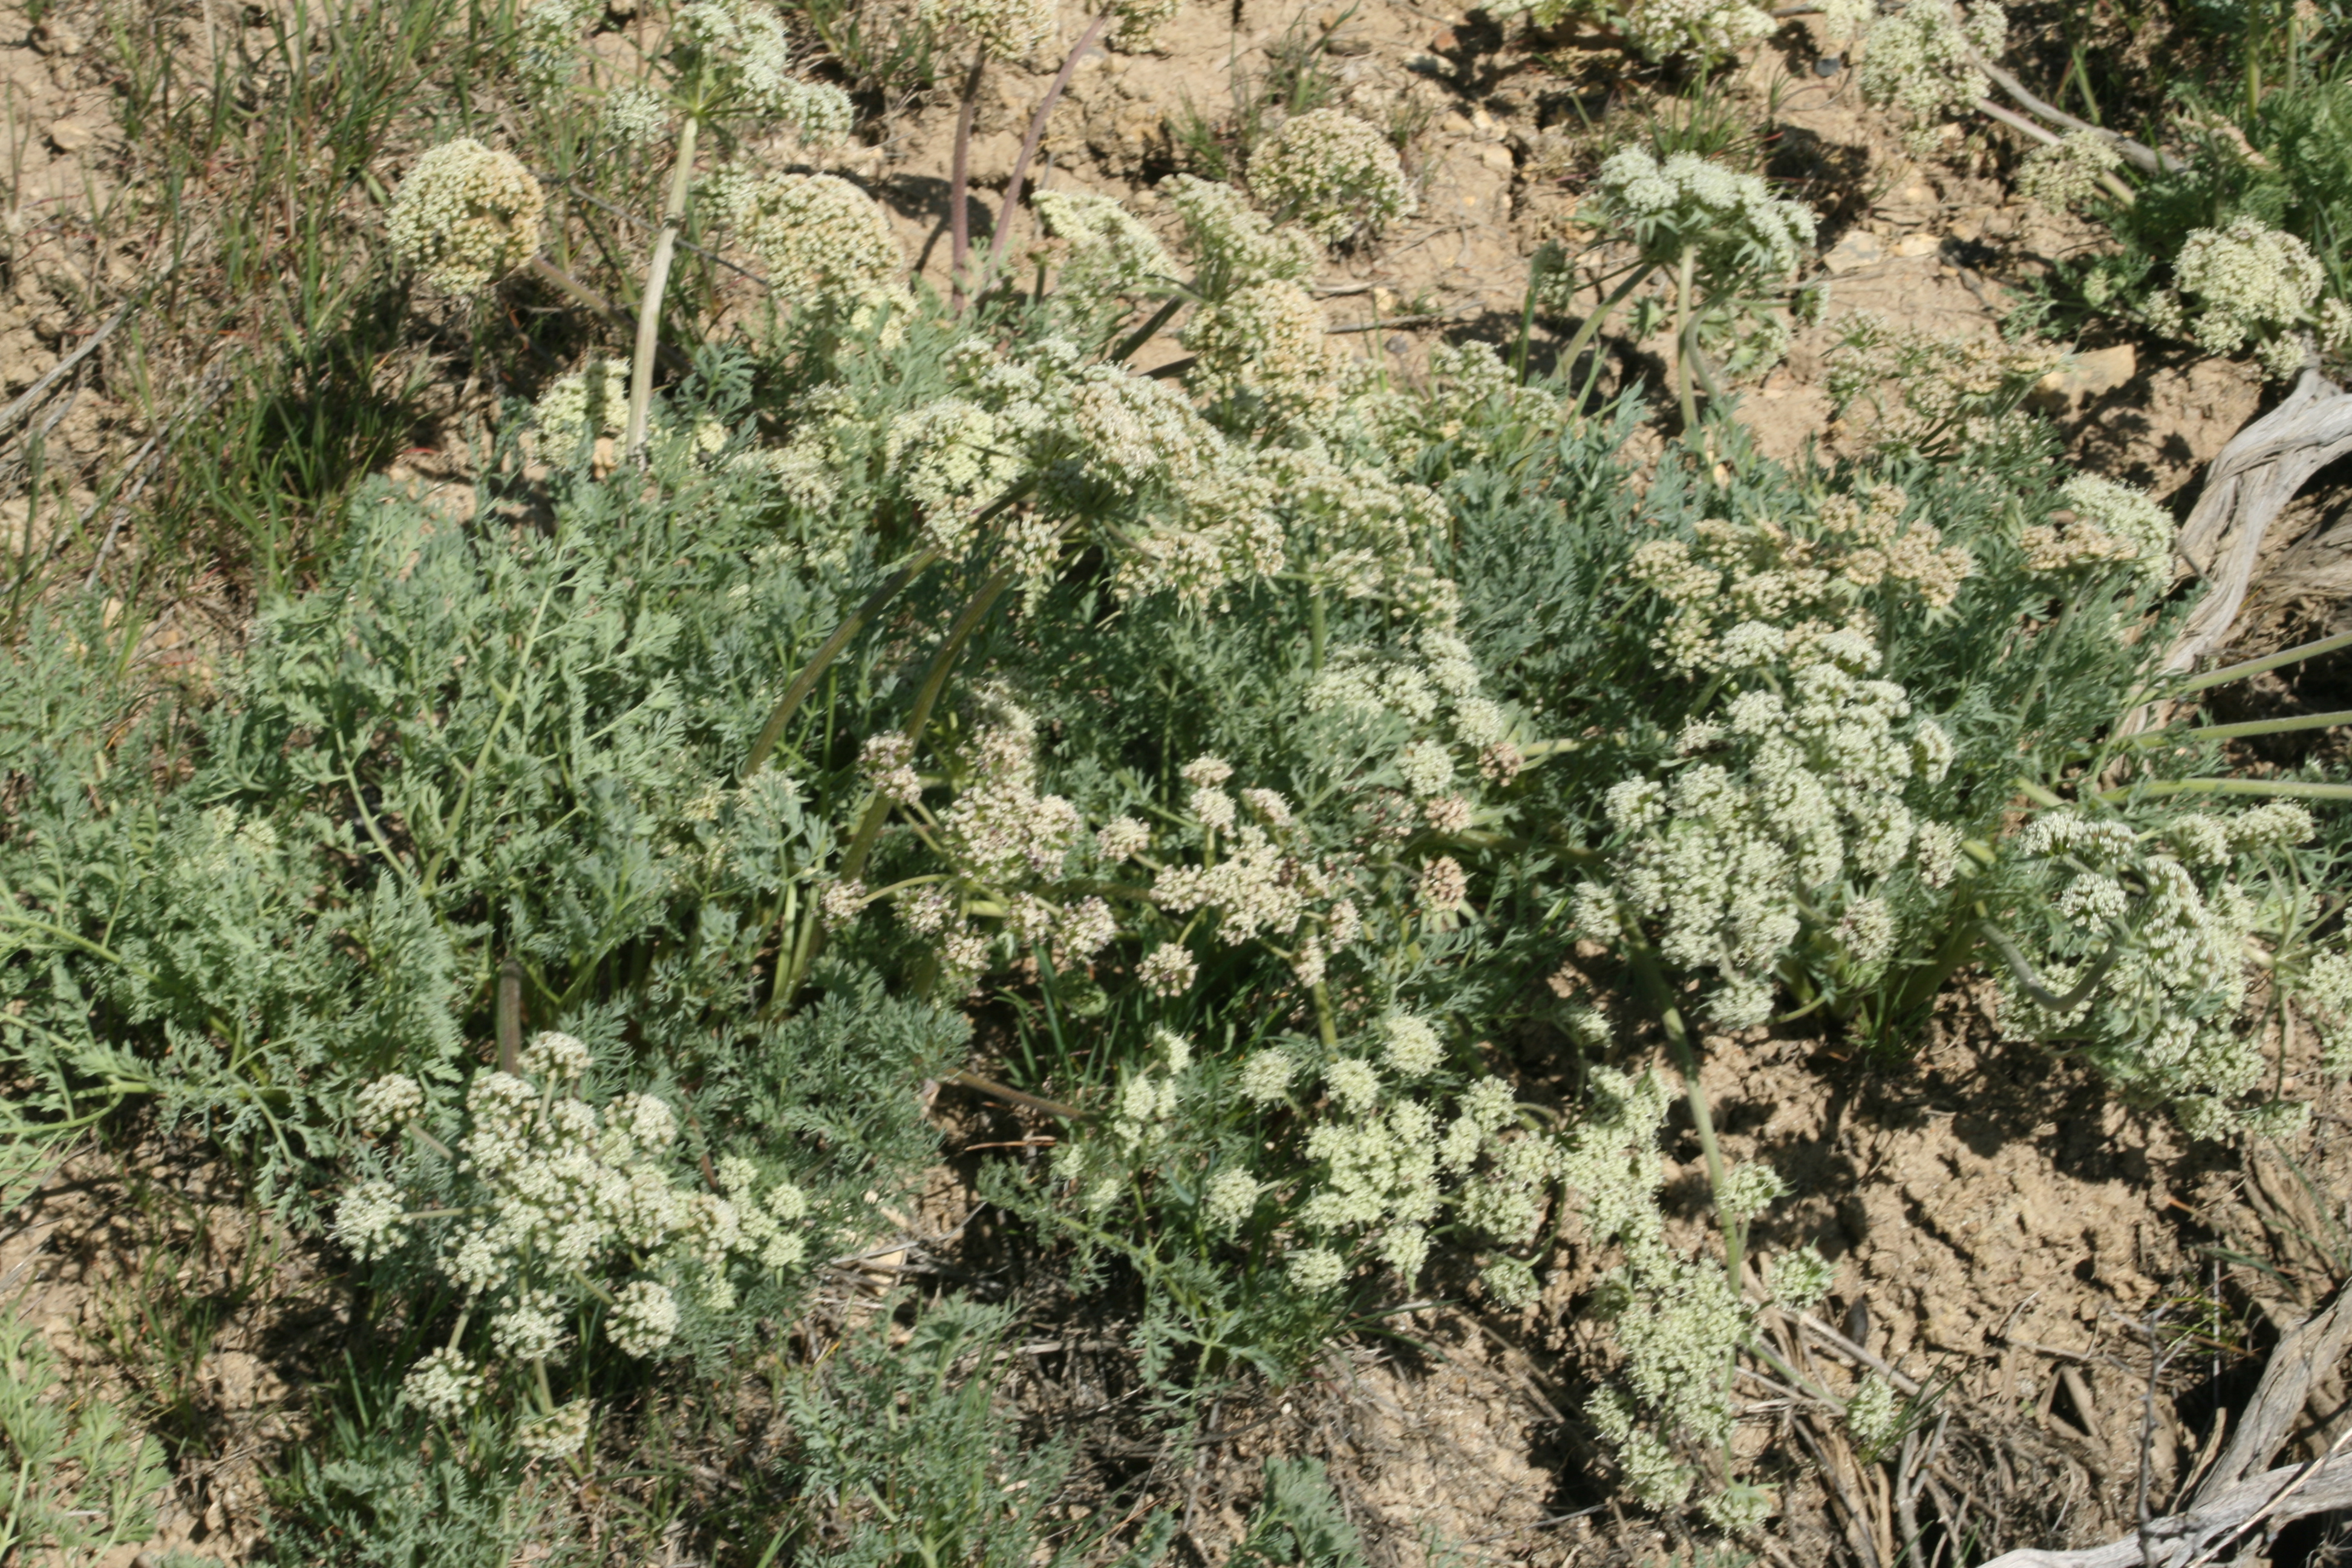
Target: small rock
1918,244
54,39
1857,250
2064,390
1827,64
70,135
1497,157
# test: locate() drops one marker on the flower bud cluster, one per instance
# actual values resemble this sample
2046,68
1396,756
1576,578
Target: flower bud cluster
1732,221
743,46
585,403
1928,392
1745,597
1676,1318
1710,29
1233,246
1788,802
2112,523
1926,60
467,215
1332,175
2162,920
1112,256
825,244
2067,174
2250,283
1001,29
552,1198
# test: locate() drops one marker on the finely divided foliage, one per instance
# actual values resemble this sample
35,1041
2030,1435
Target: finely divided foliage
1252,745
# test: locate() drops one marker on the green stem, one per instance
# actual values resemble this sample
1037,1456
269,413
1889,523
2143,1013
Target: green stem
2171,734
2257,665
641,369
1536,272
927,697
2290,789
1325,1025
1670,1018
869,827
1684,271
806,681
506,710
1928,979
431,1143
1144,334
1593,324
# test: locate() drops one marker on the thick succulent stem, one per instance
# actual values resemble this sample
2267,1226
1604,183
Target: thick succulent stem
641,368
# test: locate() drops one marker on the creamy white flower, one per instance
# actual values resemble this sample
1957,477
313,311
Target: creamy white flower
467,215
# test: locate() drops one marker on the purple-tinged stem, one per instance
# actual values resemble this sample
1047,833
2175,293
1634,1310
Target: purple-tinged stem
960,183
1005,213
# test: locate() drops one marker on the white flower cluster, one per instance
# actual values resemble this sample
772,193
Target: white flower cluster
2250,282
1960,391
1233,246
1001,29
1924,60
643,1320
2160,926
1007,848
1744,597
1138,24
1332,175
2112,523
825,244
1111,256
1710,29
557,1435
445,1384
583,404
1387,1164
2067,173
394,1101
1677,1319
552,1195
743,44
547,33
467,215
1794,800
637,117
1732,220
953,458
2325,994
1264,342
1100,434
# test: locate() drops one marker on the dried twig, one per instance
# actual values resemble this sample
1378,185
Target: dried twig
2304,1354
1854,1352
2190,1540
2246,487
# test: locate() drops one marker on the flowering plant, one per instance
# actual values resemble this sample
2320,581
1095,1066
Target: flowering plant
552,1218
